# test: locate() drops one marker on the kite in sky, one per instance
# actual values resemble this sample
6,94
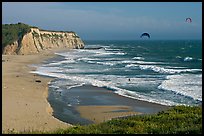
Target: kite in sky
189,20
145,34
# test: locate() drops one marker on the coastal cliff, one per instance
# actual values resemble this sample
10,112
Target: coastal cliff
36,40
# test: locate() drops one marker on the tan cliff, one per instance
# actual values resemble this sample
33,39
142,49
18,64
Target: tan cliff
37,40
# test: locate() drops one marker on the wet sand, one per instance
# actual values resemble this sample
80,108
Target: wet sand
102,113
97,105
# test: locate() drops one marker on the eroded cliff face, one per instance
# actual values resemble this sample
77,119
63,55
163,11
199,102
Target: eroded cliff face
38,40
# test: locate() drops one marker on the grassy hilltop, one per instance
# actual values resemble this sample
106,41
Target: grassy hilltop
13,32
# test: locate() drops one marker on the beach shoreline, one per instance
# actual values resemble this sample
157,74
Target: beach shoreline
88,104
25,105
24,95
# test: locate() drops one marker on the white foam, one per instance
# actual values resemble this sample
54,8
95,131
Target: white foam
140,62
69,105
73,86
179,57
166,70
85,59
94,45
131,65
112,62
171,67
109,49
123,92
127,61
80,80
82,70
185,84
137,96
146,62
138,58
54,86
47,73
61,62
106,81
106,63
91,62
188,58
109,53
64,54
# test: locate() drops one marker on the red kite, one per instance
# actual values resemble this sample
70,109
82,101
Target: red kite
189,20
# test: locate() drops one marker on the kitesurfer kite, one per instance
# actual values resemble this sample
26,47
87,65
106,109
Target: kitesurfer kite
189,20
145,34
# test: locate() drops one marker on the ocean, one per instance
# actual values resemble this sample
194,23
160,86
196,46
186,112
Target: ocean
166,72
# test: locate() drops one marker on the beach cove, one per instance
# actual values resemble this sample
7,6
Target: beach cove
89,104
25,106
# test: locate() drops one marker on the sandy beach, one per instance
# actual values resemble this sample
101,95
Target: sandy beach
25,106
24,103
99,114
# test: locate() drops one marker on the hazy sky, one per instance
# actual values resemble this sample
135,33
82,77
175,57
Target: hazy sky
110,20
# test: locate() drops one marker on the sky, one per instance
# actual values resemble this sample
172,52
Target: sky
110,20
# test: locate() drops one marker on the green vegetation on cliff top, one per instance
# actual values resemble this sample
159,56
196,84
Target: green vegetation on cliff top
176,120
13,32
